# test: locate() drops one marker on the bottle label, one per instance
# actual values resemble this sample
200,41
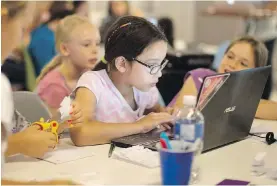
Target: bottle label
191,132
187,132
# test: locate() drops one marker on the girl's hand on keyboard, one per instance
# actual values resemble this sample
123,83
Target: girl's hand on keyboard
171,110
153,120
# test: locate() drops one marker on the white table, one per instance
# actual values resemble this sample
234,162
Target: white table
232,161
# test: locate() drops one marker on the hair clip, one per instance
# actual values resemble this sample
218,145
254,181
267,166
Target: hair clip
124,25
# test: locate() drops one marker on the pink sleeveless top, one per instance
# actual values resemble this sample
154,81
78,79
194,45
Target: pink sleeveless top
53,88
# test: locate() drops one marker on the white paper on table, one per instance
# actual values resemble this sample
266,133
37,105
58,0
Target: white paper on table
66,153
138,155
65,107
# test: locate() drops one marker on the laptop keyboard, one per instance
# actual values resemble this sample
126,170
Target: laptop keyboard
139,139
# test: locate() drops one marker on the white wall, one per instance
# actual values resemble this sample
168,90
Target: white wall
182,13
189,24
215,29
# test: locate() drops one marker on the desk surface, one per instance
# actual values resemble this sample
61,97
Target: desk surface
232,162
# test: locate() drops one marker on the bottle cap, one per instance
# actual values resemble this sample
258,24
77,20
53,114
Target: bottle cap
189,100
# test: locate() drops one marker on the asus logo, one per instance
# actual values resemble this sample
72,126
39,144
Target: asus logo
230,109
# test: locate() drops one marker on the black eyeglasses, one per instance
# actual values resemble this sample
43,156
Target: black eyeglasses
154,69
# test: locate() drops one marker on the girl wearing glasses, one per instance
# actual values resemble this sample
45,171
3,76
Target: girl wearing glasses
123,99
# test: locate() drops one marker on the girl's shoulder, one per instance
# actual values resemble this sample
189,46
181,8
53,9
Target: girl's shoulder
198,76
201,72
97,77
97,82
53,77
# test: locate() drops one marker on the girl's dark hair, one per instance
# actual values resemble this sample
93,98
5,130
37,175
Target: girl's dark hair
58,6
59,10
129,36
260,51
77,4
59,15
110,10
166,25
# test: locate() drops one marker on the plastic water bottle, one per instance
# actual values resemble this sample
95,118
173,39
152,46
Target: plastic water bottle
189,127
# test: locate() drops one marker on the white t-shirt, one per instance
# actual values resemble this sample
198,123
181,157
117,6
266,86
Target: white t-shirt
111,107
6,113
7,108
12,120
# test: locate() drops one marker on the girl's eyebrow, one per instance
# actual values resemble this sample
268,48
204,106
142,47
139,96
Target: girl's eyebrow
244,59
154,60
230,52
90,40
86,40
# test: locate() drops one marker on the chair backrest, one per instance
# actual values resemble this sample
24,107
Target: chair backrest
30,106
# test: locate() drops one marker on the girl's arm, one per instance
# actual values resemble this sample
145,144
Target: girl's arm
189,88
267,110
93,132
31,142
157,108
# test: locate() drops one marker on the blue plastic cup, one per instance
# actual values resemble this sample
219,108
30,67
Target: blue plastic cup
175,164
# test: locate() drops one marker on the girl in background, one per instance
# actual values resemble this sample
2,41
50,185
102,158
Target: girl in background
243,53
25,139
15,15
117,9
77,42
42,43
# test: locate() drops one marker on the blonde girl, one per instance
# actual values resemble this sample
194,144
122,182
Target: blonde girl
77,42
